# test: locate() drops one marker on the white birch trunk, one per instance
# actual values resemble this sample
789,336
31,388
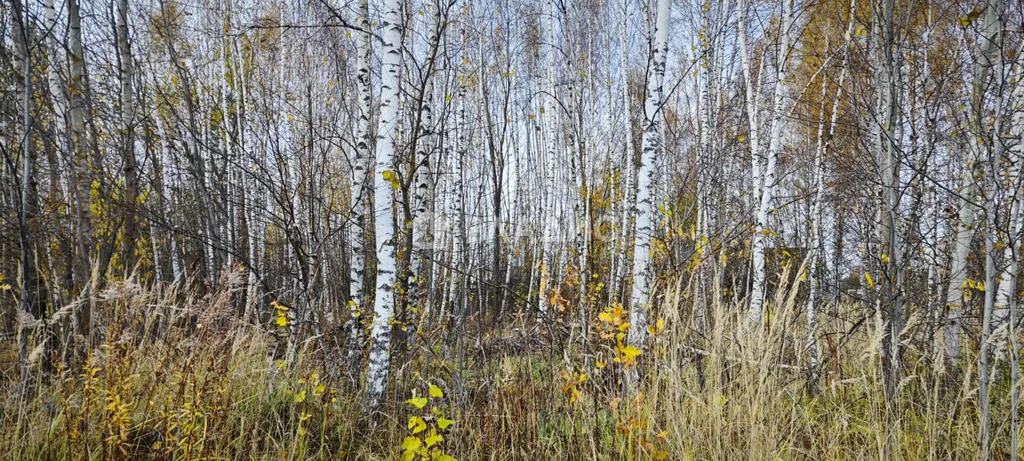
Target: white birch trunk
1015,221
958,269
384,301
1007,294
759,242
629,168
550,125
751,97
642,270
819,183
989,42
420,279
360,198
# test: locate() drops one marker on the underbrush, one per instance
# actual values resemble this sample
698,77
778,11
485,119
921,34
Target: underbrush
181,378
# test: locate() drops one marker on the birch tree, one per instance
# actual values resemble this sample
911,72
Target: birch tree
765,174
361,196
653,104
990,43
130,163
384,183
821,154
29,308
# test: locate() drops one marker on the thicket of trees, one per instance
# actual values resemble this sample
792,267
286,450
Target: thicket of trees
386,170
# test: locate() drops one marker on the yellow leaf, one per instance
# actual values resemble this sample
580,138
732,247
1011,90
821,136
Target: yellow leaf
390,177
411,443
300,397
867,278
575,395
600,364
433,439
418,403
443,423
417,424
435,392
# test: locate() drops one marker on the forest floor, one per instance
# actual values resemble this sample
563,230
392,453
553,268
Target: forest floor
185,381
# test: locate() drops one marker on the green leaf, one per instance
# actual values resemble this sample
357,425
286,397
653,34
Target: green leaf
435,392
443,423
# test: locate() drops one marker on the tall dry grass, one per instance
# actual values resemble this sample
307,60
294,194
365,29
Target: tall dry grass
179,376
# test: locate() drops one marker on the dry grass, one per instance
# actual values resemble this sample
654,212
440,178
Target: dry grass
177,378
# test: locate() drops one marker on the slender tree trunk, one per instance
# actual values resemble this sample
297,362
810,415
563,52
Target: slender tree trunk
887,158
989,46
28,308
384,302
424,177
358,303
751,98
131,178
653,103
958,269
1008,280
629,171
759,242
81,164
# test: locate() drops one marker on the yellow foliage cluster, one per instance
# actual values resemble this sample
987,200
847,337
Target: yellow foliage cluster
970,286
283,314
635,426
613,325
573,381
426,430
